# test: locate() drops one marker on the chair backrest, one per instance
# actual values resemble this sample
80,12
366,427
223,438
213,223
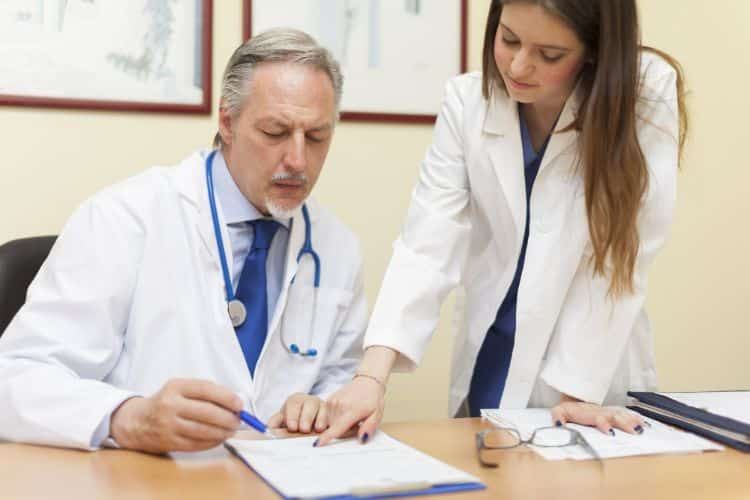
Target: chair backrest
19,262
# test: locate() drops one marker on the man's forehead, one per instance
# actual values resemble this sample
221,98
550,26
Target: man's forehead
287,92
291,80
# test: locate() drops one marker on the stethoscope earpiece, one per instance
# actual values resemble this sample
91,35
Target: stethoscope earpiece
294,349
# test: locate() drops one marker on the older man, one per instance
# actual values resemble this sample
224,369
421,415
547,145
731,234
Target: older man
176,298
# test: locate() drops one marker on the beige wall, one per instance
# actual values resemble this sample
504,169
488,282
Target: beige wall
700,290
54,159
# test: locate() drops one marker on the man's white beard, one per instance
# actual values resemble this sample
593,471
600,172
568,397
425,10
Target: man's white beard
274,208
280,212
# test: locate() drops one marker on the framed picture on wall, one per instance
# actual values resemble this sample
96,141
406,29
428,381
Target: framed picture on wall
135,55
395,54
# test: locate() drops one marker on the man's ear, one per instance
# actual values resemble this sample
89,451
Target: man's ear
225,125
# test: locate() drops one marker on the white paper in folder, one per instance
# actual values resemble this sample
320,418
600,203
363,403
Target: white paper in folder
732,404
383,466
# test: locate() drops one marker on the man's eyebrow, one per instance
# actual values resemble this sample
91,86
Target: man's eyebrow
322,128
278,122
269,120
542,46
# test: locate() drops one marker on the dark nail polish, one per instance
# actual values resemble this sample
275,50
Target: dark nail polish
638,429
612,432
365,437
558,423
316,443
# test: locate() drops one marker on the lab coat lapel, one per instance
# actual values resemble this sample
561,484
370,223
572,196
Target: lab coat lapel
503,145
561,141
191,183
296,239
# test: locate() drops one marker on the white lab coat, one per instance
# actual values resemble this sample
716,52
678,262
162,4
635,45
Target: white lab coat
465,227
132,296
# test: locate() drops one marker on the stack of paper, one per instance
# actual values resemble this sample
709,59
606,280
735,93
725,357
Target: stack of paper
658,438
384,466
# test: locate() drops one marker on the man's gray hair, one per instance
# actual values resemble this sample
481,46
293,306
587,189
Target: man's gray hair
274,45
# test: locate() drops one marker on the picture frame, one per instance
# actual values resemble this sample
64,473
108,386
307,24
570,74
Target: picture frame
139,55
383,82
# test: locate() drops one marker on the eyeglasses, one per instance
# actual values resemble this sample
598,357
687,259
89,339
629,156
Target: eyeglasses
503,438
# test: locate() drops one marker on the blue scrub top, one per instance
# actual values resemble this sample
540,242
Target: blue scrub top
491,369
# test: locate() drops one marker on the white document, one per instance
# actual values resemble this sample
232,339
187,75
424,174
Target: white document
346,467
732,404
658,438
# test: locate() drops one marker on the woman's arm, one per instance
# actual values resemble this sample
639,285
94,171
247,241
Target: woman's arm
425,266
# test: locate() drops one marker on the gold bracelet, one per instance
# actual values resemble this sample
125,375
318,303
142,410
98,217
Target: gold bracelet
371,377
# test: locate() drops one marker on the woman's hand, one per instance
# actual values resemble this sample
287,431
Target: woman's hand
360,402
604,418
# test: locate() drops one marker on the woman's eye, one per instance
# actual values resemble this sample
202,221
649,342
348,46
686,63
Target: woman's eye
510,41
551,57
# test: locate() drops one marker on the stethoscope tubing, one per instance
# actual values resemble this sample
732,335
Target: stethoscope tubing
307,248
217,230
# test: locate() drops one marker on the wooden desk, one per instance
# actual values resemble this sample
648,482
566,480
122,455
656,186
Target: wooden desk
41,472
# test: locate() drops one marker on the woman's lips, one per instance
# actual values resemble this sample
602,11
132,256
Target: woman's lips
519,85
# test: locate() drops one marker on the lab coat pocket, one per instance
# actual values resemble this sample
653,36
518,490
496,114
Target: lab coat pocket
312,318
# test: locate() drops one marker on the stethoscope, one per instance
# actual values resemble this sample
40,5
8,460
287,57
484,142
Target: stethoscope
235,307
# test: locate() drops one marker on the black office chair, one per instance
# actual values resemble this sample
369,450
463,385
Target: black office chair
19,262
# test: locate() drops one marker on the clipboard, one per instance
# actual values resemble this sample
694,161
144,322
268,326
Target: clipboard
268,458
719,428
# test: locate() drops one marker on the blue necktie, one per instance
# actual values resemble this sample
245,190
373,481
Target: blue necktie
251,290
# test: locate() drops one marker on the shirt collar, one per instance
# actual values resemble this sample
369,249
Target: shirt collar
235,206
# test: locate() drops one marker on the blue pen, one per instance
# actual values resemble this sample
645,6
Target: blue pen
255,423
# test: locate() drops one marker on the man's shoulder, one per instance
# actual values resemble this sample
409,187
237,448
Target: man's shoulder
155,184
336,232
153,178
132,198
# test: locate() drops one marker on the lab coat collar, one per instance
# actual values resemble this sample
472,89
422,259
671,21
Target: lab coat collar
190,182
502,119
501,114
297,238
561,139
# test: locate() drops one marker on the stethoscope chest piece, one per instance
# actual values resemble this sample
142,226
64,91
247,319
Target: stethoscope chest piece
237,312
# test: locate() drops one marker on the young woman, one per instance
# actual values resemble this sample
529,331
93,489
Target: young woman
546,194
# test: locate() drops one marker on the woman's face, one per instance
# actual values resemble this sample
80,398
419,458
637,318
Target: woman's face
539,56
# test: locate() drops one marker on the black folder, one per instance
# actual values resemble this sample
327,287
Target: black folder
719,428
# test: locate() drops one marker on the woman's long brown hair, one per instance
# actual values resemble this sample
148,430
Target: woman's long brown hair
614,169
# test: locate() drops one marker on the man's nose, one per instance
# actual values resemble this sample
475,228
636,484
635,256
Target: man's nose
295,157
